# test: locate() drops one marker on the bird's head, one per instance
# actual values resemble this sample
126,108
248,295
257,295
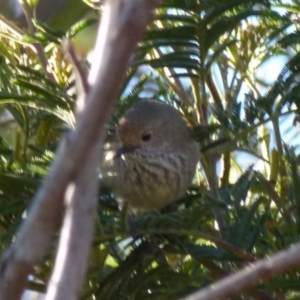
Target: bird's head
152,125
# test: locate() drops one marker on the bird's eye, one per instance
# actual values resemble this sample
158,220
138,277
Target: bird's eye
146,137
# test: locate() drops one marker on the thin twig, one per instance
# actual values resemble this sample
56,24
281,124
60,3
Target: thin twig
37,47
176,83
82,84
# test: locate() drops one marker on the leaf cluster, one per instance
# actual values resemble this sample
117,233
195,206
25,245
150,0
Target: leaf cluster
201,57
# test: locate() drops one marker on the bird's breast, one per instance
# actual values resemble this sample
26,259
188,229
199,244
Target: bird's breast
153,180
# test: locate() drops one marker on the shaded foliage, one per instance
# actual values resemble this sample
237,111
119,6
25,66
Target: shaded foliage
204,51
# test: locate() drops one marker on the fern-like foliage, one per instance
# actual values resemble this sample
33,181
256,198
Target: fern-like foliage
201,57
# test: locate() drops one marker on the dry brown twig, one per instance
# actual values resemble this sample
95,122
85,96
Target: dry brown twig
73,173
37,47
252,274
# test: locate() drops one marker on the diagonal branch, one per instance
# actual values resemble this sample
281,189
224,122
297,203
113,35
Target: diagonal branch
122,26
255,273
76,233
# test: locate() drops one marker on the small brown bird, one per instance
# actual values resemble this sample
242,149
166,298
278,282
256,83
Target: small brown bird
156,160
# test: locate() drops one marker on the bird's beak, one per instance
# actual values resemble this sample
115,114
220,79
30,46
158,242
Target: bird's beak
123,150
